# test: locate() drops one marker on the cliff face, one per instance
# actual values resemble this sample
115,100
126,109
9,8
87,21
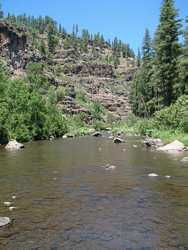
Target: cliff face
13,44
13,39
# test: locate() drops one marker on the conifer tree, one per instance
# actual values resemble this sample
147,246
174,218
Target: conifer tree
184,65
1,12
167,52
142,89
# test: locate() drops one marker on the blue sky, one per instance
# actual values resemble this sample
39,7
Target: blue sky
126,19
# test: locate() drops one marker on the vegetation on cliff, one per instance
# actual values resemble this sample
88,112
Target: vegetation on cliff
61,72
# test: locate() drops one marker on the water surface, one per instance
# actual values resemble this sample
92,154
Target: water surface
67,200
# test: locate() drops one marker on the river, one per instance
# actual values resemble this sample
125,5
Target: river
67,199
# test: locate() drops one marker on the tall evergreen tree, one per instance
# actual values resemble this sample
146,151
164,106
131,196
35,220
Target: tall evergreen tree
184,64
1,12
142,89
138,58
52,39
167,52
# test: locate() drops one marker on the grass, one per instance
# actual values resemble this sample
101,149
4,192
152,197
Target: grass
165,134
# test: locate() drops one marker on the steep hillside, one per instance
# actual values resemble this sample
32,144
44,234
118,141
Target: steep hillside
72,63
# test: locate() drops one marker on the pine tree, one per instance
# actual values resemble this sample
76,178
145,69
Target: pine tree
1,12
138,59
184,65
52,40
142,88
167,52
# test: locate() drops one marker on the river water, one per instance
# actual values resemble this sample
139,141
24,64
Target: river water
66,199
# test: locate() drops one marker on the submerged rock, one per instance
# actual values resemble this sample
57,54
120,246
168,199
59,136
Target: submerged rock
185,159
14,145
12,208
118,140
153,175
4,221
167,176
7,203
109,167
175,146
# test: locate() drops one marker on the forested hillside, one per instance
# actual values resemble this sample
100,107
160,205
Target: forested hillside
54,82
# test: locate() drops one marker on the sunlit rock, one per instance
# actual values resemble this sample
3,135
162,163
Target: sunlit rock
7,203
12,208
175,146
153,175
167,176
14,145
4,221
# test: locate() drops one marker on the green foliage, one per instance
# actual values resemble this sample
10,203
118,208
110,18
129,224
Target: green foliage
36,75
167,51
175,116
142,86
52,38
25,114
97,111
162,76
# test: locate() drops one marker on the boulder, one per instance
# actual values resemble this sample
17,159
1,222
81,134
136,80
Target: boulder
150,142
175,146
97,134
14,145
4,221
118,140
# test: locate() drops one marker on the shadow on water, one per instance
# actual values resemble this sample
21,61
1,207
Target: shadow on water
67,199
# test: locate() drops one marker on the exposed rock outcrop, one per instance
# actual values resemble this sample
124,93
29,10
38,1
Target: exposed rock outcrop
98,70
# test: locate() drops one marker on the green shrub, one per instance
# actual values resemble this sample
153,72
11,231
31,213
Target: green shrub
175,116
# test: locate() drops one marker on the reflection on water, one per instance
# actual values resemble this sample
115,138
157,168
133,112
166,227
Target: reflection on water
66,200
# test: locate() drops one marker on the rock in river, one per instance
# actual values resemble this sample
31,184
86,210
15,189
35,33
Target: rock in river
175,146
4,221
97,134
118,140
14,145
153,175
150,142
185,159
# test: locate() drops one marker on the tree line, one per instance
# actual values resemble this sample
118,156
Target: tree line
78,38
162,76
